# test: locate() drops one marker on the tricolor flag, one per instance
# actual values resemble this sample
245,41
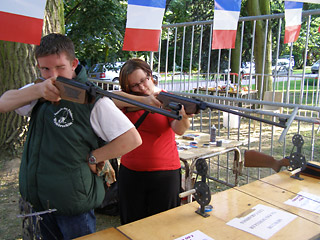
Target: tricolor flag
144,21
225,23
306,1
292,14
22,20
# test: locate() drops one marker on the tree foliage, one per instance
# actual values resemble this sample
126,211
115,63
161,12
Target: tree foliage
97,29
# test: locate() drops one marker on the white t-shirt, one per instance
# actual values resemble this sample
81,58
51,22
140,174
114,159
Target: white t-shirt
107,121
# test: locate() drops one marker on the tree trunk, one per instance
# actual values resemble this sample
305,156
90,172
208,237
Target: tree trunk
18,68
256,8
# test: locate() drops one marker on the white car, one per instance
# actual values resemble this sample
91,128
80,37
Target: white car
105,71
282,66
245,68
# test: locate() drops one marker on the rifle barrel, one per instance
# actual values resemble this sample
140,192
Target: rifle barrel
138,104
217,107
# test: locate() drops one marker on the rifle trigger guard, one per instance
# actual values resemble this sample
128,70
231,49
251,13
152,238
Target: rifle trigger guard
91,92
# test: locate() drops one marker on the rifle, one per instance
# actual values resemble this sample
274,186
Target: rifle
85,93
258,159
296,161
193,106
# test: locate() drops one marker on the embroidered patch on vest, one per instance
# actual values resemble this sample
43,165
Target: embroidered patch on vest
63,118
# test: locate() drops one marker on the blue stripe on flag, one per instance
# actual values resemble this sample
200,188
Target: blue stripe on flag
149,3
292,5
229,5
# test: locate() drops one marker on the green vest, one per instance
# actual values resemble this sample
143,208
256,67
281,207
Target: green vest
54,172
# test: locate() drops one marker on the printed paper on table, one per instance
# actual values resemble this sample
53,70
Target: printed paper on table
263,221
305,201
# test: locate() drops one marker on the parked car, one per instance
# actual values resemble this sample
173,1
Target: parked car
245,67
282,66
315,67
104,71
289,58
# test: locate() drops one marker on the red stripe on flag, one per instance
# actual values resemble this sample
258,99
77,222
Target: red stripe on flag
141,40
291,33
319,29
222,39
18,28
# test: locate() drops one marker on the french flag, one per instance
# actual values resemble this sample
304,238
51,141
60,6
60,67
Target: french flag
292,14
144,21
225,23
22,20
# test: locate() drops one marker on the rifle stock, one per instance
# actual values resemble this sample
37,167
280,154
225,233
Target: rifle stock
191,106
257,159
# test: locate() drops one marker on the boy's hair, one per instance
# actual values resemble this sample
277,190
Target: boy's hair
129,67
55,43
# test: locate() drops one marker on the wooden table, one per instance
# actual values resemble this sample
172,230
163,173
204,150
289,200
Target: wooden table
277,188
110,233
228,205
189,157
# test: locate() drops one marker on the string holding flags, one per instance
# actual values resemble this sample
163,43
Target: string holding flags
293,14
143,28
225,23
22,20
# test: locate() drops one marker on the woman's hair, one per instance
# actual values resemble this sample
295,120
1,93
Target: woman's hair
55,43
129,67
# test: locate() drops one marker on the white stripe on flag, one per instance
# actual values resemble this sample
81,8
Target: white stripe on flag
34,8
293,17
306,1
144,17
225,20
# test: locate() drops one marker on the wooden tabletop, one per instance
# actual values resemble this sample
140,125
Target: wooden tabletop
226,206
277,188
202,150
110,233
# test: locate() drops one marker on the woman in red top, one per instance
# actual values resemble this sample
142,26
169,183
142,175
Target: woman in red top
149,176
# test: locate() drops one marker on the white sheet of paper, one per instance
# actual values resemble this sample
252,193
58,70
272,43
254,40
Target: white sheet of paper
305,201
196,235
263,221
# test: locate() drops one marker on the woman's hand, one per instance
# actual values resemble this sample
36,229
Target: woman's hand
152,100
180,126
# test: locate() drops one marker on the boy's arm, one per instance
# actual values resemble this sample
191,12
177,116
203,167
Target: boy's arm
13,99
121,145
117,147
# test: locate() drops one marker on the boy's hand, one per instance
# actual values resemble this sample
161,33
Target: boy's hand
48,90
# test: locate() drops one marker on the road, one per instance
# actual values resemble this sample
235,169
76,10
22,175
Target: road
186,85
